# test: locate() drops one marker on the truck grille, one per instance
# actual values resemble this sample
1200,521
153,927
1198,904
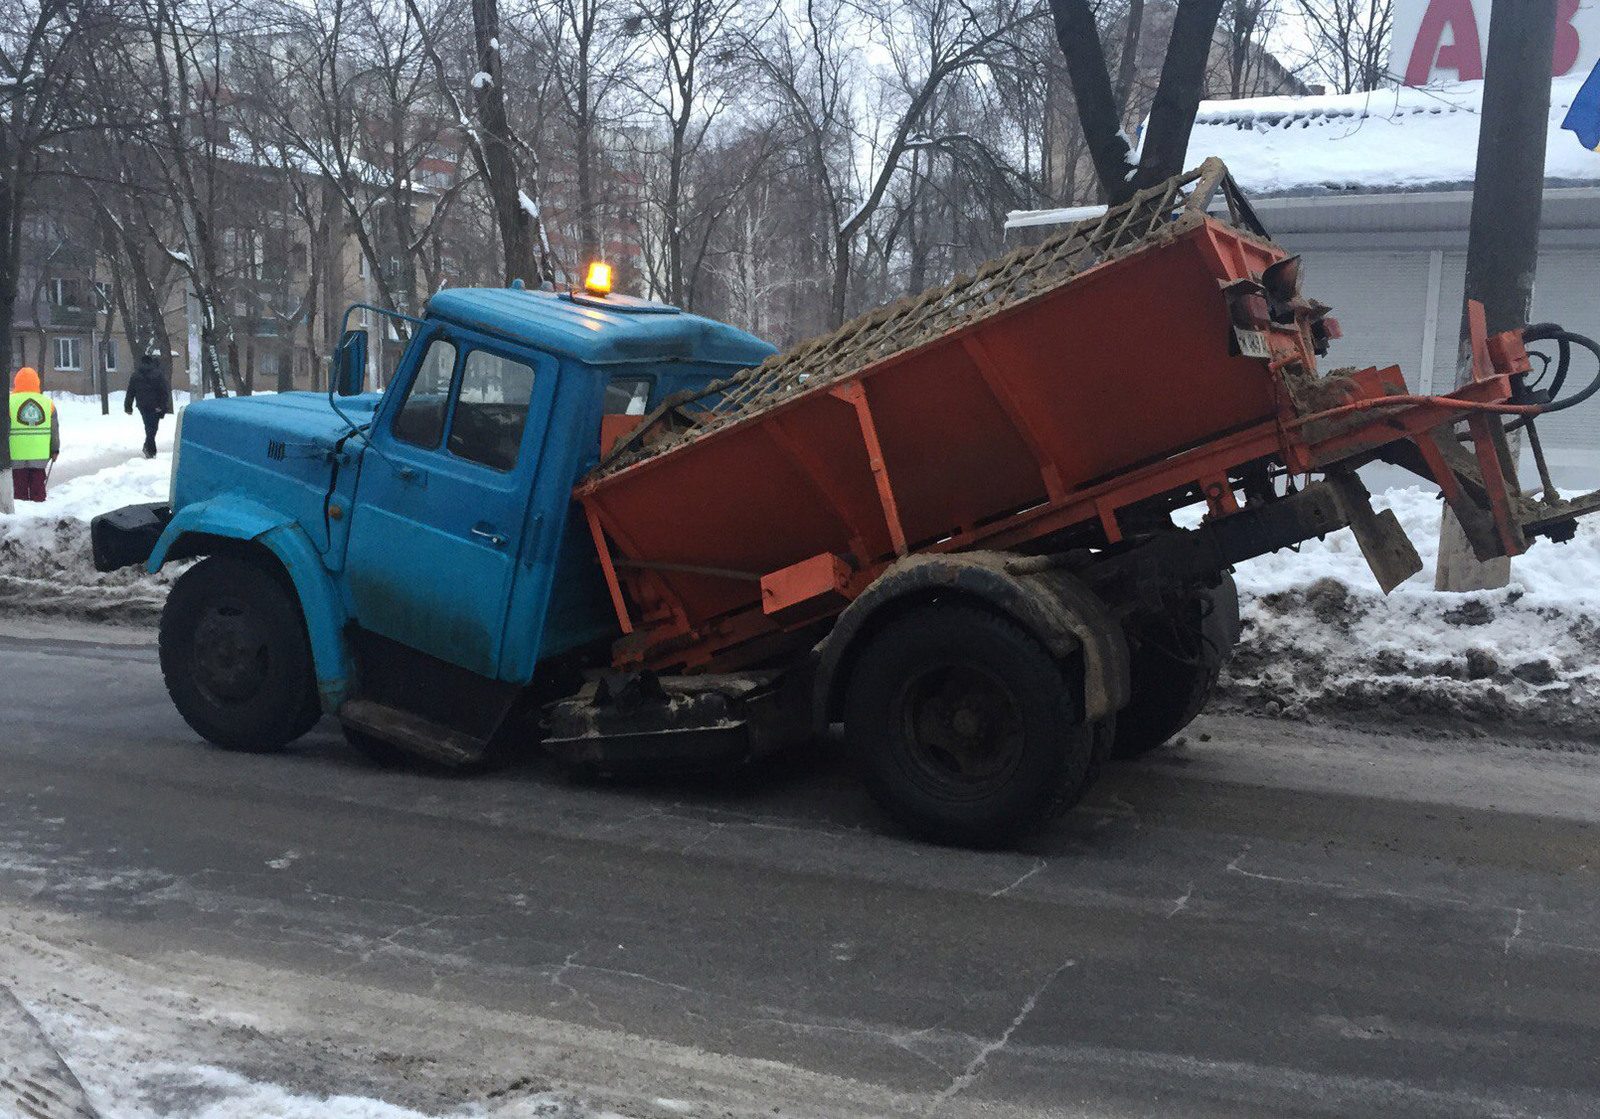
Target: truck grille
276,450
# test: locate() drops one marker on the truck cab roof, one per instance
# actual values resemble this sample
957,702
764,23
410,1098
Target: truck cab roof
599,330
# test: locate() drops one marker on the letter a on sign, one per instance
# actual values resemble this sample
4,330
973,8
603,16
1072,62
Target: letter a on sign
1443,40
1462,54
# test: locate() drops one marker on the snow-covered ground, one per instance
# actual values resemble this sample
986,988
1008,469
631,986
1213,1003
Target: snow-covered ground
87,1031
45,565
1320,636
101,466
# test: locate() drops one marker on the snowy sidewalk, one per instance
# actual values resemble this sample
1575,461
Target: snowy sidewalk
45,563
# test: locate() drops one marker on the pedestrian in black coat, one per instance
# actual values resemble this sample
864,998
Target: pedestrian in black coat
148,391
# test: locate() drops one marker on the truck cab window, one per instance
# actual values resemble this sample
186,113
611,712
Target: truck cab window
421,417
492,409
627,396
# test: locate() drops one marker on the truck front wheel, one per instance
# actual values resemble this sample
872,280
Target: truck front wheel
964,727
235,656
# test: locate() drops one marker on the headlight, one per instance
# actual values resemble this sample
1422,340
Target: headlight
177,447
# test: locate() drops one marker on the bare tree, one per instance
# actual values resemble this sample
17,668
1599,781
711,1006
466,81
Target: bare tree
502,156
591,47
1172,112
690,37
173,65
352,97
1244,26
41,59
811,63
1349,41
508,168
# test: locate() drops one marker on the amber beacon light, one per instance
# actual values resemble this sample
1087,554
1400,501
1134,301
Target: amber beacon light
598,281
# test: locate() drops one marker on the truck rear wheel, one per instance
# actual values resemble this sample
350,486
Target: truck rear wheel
963,726
1174,665
235,656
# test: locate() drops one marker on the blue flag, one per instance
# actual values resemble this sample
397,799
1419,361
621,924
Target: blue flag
1584,116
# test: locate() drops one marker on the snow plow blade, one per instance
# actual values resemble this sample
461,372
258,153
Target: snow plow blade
125,537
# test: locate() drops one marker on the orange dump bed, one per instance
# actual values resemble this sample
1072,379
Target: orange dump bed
1054,387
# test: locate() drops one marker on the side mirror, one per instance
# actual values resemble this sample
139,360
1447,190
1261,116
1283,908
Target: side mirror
349,363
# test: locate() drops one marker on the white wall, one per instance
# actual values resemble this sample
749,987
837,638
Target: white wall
1389,302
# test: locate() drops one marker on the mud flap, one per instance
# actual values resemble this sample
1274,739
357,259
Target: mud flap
1388,550
413,733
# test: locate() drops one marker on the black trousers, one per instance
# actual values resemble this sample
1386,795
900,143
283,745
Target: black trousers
152,420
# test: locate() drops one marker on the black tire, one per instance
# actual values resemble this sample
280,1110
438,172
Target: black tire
1174,662
235,656
964,728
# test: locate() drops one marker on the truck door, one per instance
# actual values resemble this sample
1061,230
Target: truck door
440,514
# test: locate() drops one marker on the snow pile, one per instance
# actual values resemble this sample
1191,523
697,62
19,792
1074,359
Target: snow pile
1400,138
1320,636
45,564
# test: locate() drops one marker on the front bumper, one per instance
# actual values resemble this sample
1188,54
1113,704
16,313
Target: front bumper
125,537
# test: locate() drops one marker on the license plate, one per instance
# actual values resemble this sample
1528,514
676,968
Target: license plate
1252,343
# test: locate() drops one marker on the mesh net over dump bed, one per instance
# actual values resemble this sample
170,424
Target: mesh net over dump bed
1027,273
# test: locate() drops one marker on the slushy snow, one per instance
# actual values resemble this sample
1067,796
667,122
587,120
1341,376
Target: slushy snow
1320,636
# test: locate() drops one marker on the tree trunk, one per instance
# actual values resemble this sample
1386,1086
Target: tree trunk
1182,85
1503,233
1079,37
1172,113
1243,30
10,266
588,231
674,210
1127,65
520,242
841,279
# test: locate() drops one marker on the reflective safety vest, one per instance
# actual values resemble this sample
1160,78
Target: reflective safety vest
30,426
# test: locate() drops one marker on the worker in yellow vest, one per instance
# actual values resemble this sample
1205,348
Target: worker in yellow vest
35,436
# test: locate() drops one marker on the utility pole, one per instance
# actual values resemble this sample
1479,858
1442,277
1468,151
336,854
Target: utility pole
1503,237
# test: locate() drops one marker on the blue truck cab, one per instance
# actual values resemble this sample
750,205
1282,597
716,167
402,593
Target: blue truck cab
410,559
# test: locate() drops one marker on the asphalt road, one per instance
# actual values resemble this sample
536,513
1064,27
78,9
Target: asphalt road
1285,919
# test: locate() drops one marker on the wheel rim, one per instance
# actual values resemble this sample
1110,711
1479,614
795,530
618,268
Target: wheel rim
231,652
961,731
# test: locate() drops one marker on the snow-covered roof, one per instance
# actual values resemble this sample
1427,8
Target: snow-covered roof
1405,138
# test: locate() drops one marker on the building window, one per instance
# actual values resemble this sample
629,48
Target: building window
102,297
69,354
65,293
110,355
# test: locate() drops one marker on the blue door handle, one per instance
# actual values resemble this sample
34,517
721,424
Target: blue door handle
490,535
